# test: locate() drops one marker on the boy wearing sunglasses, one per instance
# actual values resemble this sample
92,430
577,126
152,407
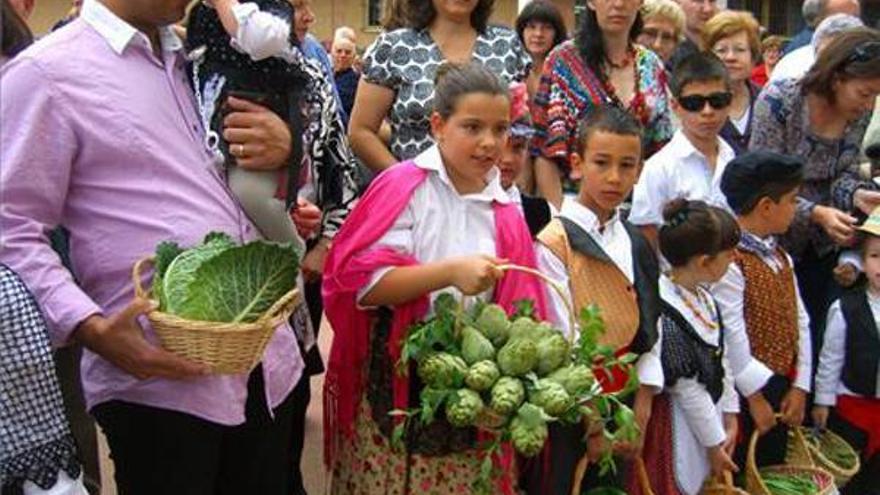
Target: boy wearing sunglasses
691,164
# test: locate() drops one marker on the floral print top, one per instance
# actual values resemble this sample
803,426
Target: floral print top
406,61
569,89
781,123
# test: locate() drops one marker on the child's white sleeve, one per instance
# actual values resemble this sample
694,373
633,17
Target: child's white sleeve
749,374
649,196
729,399
649,367
554,268
260,34
399,238
699,410
804,377
831,358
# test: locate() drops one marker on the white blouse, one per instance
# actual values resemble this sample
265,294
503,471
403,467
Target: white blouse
697,422
833,355
440,223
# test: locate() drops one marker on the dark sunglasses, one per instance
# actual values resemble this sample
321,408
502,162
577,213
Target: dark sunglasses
695,103
868,51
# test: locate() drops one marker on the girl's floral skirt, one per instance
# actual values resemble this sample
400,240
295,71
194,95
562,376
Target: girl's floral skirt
368,465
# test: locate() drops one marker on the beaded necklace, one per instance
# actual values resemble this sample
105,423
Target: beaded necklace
702,301
637,106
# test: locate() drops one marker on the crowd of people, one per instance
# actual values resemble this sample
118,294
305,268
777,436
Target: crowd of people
708,185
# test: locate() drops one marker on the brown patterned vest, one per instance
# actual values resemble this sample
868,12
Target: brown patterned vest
770,311
595,281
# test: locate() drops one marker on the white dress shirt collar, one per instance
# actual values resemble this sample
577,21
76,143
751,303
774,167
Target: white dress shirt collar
515,194
585,218
683,148
119,33
431,160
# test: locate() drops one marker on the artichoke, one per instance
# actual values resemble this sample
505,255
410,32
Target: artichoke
518,357
493,323
442,370
482,375
551,397
463,408
577,379
475,346
528,430
544,329
507,394
523,327
553,352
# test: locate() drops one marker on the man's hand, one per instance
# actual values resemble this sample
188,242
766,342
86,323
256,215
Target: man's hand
762,413
846,274
313,262
792,407
258,139
306,217
120,340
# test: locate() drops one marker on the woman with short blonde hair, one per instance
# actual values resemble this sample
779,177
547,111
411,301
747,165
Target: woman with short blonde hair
663,27
734,37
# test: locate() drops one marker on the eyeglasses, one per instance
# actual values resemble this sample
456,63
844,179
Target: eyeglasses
695,103
866,52
650,35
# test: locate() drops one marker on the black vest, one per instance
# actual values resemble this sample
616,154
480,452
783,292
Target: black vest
862,344
537,213
684,354
646,276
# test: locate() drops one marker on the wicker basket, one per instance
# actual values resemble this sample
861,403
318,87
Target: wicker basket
815,451
755,482
227,348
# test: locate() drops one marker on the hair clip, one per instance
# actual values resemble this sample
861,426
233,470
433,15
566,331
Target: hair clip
679,218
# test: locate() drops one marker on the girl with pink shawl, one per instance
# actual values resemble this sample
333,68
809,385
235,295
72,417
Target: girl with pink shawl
448,200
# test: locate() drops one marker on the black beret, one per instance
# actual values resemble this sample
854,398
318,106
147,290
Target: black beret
745,176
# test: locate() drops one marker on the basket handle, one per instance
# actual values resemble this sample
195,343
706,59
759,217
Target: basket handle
751,465
572,320
136,277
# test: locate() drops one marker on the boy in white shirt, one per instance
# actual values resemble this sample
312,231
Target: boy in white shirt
691,164
767,327
600,258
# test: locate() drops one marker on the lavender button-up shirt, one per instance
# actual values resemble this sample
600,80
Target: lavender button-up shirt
102,136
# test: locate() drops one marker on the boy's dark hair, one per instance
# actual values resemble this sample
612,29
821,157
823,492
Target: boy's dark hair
608,118
759,174
454,80
693,228
697,67
542,11
421,13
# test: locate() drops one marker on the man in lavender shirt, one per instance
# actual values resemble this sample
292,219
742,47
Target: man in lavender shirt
100,135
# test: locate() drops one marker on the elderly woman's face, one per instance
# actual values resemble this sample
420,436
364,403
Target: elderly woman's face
736,54
659,34
538,37
855,97
615,16
455,9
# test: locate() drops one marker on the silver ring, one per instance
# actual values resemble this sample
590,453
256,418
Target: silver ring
240,150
